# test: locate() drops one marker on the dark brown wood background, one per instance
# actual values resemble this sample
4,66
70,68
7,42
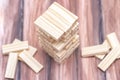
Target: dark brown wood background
97,18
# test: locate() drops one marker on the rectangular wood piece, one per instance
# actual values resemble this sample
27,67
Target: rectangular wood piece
11,65
105,43
109,59
113,40
94,50
30,61
14,47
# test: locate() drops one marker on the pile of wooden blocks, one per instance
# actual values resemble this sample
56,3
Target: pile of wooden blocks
108,52
20,50
58,32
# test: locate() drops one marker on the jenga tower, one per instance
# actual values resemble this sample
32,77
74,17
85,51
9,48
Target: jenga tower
58,32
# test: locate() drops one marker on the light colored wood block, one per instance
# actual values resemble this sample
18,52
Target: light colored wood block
14,47
70,17
49,28
31,50
63,15
110,58
94,50
11,65
67,11
30,61
55,20
113,40
107,45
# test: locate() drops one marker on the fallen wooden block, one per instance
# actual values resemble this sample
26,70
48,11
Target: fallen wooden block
11,65
95,50
14,47
113,40
110,58
105,43
30,61
31,50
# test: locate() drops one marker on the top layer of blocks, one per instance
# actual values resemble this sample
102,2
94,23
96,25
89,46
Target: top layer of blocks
56,21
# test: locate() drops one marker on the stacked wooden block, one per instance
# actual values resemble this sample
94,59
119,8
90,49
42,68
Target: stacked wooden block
58,32
20,50
108,52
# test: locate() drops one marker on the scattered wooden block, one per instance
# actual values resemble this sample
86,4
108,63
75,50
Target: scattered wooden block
105,43
11,65
31,50
95,50
30,61
110,58
14,47
113,40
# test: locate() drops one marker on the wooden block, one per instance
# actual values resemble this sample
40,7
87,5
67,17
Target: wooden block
94,50
49,28
14,47
70,17
55,20
31,50
11,65
113,40
107,45
110,58
67,11
63,16
30,61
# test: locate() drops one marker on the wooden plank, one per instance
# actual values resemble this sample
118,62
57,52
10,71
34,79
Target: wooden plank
30,61
14,47
113,40
64,12
105,43
94,50
31,50
55,20
51,30
109,59
57,10
11,65
67,11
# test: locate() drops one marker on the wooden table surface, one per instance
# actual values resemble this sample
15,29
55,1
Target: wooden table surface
97,18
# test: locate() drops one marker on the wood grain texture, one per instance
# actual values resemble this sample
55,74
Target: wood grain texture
97,18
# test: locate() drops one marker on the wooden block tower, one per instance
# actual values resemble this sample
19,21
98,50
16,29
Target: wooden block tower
58,32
